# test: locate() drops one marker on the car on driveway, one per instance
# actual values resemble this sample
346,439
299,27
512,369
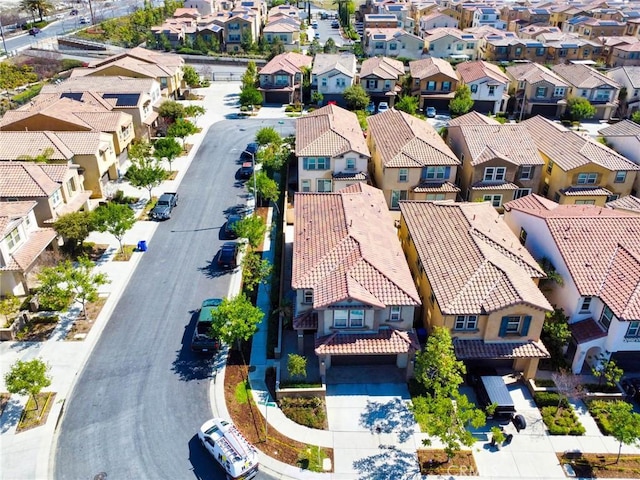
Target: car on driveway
74,12
383,107
430,112
229,231
228,255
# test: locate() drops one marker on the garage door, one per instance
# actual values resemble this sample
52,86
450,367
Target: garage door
279,98
339,360
544,110
483,107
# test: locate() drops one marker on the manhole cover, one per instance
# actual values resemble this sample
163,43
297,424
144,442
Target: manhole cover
100,476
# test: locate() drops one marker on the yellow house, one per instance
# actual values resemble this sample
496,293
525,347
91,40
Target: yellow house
579,170
476,279
409,160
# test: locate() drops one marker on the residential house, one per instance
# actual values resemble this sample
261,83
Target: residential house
282,29
381,78
484,34
537,90
587,82
68,115
353,287
409,160
332,73
475,279
578,169
436,20
624,138
392,42
376,20
203,7
451,43
331,150
92,151
510,49
488,16
531,32
625,54
139,62
241,26
596,252
21,243
57,188
433,81
499,162
400,10
611,54
285,10
488,85
628,204
565,47
593,28
281,78
134,96
629,79
562,13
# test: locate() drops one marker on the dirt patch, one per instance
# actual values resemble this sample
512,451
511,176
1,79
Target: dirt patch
33,416
38,329
82,326
171,175
251,422
434,462
592,465
4,401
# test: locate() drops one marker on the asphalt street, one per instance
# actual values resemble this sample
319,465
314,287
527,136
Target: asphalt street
142,395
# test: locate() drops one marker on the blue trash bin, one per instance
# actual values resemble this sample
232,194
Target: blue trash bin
142,246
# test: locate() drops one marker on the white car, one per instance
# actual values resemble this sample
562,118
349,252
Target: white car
383,107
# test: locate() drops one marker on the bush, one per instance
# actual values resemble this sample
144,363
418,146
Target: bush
119,197
599,410
563,422
544,382
309,412
549,399
604,388
23,97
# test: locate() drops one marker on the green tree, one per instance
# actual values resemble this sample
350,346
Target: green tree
268,135
145,171
273,157
556,334
250,75
246,40
181,129
624,424
407,104
437,367
267,189
9,306
250,96
74,227
235,319
276,48
163,42
252,228
297,366
606,369
356,97
114,218
447,418
461,102
39,7
42,157
330,46
317,97
28,377
190,76
201,45
171,110
255,270
194,111
580,108
635,117
315,47
167,148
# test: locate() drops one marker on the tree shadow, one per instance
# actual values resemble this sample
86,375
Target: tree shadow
211,270
390,417
390,464
191,366
11,414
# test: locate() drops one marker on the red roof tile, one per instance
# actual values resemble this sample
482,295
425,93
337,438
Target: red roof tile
586,330
384,342
476,349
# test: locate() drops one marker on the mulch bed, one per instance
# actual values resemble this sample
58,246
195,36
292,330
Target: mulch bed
592,465
82,326
37,331
94,252
32,417
434,462
262,212
251,422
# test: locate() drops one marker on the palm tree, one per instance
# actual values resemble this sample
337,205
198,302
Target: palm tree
42,7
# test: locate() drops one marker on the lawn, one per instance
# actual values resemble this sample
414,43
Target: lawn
125,254
34,417
591,465
434,462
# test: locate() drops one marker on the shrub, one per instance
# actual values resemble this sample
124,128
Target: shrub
549,399
309,412
563,422
599,410
604,388
120,197
544,382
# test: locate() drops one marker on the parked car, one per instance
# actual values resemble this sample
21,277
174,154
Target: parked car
250,151
164,206
74,12
34,31
84,21
371,108
431,112
314,25
202,340
246,170
229,448
335,24
229,231
383,107
228,255
491,391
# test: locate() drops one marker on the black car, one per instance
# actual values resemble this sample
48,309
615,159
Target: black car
34,31
335,24
251,150
228,256
74,12
229,231
246,170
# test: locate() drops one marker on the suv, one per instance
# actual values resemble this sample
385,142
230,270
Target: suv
228,256
250,151
246,170
383,107
202,341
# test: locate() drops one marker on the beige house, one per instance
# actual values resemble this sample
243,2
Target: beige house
579,170
93,152
392,42
353,287
475,279
537,90
381,77
139,62
331,150
282,29
499,162
56,188
281,78
21,243
433,81
409,160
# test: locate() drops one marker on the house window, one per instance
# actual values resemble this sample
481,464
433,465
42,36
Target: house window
545,189
526,172
558,92
348,318
474,88
584,93
394,314
606,317
471,46
71,185
351,163
518,51
549,166
324,185
356,318
633,330
393,46
492,90
496,200
316,163
324,82
446,86
387,84
372,84
396,196
539,51
523,236
585,202
306,185
521,192
585,306
56,198
436,196
403,175
466,322
13,239
459,47
431,86
515,325
307,296
621,177
340,82
494,174
611,198
436,173
587,178
379,46
541,92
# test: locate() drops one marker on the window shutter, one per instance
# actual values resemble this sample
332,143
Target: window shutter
525,325
305,163
447,172
503,326
328,163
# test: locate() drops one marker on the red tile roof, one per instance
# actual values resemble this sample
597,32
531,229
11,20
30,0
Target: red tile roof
307,320
346,247
586,330
384,342
25,180
476,70
477,349
23,258
289,62
436,187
